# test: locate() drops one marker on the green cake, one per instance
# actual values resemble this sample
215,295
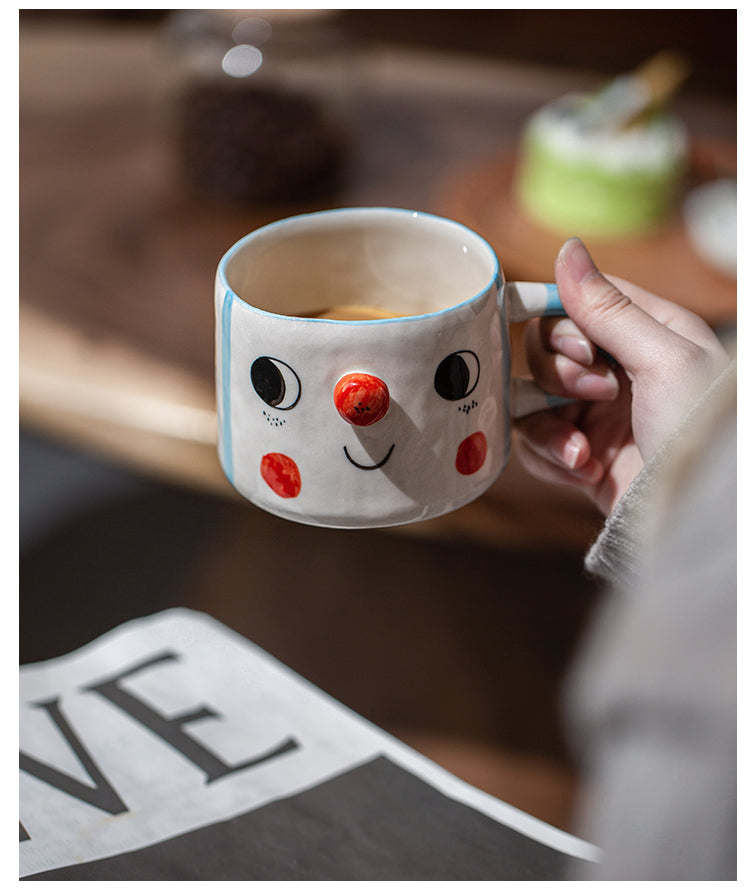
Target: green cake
610,163
599,182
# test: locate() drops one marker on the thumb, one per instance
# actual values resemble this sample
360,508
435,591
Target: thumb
608,317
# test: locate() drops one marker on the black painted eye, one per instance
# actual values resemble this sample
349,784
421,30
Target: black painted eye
275,382
457,375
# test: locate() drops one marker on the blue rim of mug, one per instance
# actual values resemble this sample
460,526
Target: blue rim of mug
496,278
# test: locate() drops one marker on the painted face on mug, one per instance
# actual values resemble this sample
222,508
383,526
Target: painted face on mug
330,419
320,434
362,399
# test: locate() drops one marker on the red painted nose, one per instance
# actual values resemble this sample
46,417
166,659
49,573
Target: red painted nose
361,399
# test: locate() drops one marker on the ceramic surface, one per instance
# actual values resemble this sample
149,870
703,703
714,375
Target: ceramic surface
353,424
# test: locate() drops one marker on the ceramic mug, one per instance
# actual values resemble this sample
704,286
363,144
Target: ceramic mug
377,422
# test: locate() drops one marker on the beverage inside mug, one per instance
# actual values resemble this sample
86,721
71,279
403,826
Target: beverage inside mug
363,366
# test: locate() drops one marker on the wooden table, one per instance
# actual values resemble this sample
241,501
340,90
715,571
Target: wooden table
117,259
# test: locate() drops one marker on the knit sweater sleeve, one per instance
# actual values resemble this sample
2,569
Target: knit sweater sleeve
615,555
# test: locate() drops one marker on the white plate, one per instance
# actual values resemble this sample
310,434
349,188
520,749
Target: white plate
710,214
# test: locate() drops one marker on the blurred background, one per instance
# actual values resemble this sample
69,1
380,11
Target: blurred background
149,142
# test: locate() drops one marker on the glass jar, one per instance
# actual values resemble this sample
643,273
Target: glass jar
265,107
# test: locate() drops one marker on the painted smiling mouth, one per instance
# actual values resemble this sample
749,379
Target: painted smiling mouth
373,465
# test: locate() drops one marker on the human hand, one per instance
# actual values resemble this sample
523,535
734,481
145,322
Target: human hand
666,357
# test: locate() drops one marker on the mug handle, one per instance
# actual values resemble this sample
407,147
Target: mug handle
525,300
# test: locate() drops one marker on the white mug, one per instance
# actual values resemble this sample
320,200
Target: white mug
368,423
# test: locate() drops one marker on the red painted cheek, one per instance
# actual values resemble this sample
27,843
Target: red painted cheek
281,475
471,454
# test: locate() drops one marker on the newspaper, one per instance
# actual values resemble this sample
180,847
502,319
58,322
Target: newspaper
173,748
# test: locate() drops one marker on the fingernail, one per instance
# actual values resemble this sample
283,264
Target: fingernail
597,387
570,454
576,347
566,337
575,257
